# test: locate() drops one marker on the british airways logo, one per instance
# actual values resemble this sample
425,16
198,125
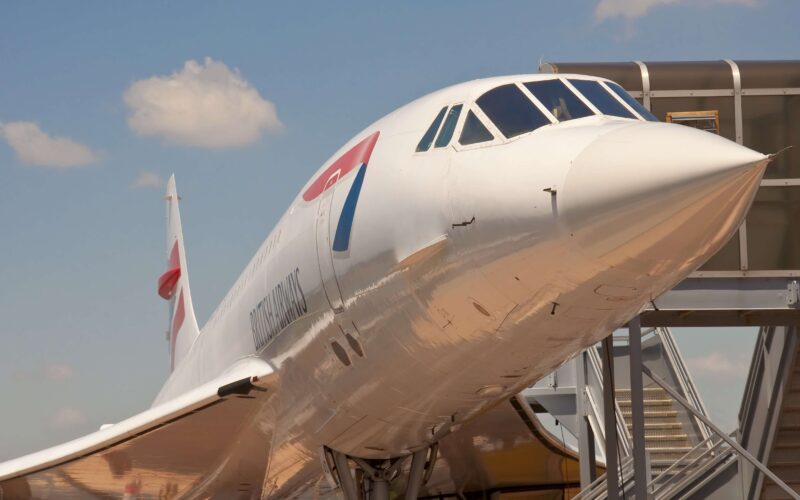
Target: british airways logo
356,158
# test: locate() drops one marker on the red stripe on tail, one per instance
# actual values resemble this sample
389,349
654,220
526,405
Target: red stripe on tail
168,280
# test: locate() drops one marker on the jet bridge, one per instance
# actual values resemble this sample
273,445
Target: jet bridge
669,447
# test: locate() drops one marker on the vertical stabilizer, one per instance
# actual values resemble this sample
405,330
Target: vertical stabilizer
173,285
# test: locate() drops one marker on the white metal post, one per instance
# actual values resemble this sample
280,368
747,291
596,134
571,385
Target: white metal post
610,419
586,448
641,476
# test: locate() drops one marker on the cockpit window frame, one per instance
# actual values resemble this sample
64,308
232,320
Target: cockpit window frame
603,83
471,105
634,114
541,107
570,88
582,97
439,117
527,94
447,115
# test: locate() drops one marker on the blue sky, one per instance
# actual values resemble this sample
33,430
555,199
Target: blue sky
82,331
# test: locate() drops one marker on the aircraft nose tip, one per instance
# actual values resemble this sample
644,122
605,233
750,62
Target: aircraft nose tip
655,156
648,194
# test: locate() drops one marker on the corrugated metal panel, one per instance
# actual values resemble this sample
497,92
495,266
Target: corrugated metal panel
769,74
690,75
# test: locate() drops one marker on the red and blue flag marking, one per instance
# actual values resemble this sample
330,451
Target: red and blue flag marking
357,157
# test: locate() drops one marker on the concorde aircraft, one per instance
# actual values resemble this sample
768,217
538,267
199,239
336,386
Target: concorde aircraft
445,258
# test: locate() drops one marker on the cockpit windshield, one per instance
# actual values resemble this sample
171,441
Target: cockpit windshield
601,98
448,128
511,111
427,139
474,131
558,99
518,108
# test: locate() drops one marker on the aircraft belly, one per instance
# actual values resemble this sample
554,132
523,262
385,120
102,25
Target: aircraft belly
438,352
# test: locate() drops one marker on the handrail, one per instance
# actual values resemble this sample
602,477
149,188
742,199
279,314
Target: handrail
717,462
702,459
756,367
623,438
597,487
709,457
692,467
700,445
764,397
744,453
688,479
594,421
683,376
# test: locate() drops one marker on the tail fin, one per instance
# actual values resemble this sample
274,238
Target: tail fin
173,285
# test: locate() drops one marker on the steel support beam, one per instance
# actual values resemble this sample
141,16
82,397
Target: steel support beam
720,318
641,474
610,419
586,448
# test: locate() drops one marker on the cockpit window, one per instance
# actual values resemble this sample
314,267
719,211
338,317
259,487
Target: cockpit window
647,115
474,131
511,111
449,126
601,98
558,99
427,139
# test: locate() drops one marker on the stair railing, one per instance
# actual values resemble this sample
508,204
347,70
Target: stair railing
725,437
598,489
684,378
682,375
770,371
623,438
695,463
680,475
753,385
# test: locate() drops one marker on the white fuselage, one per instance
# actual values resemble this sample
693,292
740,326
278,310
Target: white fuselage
471,271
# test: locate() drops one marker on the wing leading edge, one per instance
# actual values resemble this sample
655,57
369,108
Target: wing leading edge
166,451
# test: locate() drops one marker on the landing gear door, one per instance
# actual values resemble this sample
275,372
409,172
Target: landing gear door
324,255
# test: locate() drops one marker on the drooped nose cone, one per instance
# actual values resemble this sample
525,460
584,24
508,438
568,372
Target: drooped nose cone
656,198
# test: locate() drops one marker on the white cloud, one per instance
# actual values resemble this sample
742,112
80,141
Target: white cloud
147,180
632,9
54,372
35,147
205,105
58,372
719,366
67,418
